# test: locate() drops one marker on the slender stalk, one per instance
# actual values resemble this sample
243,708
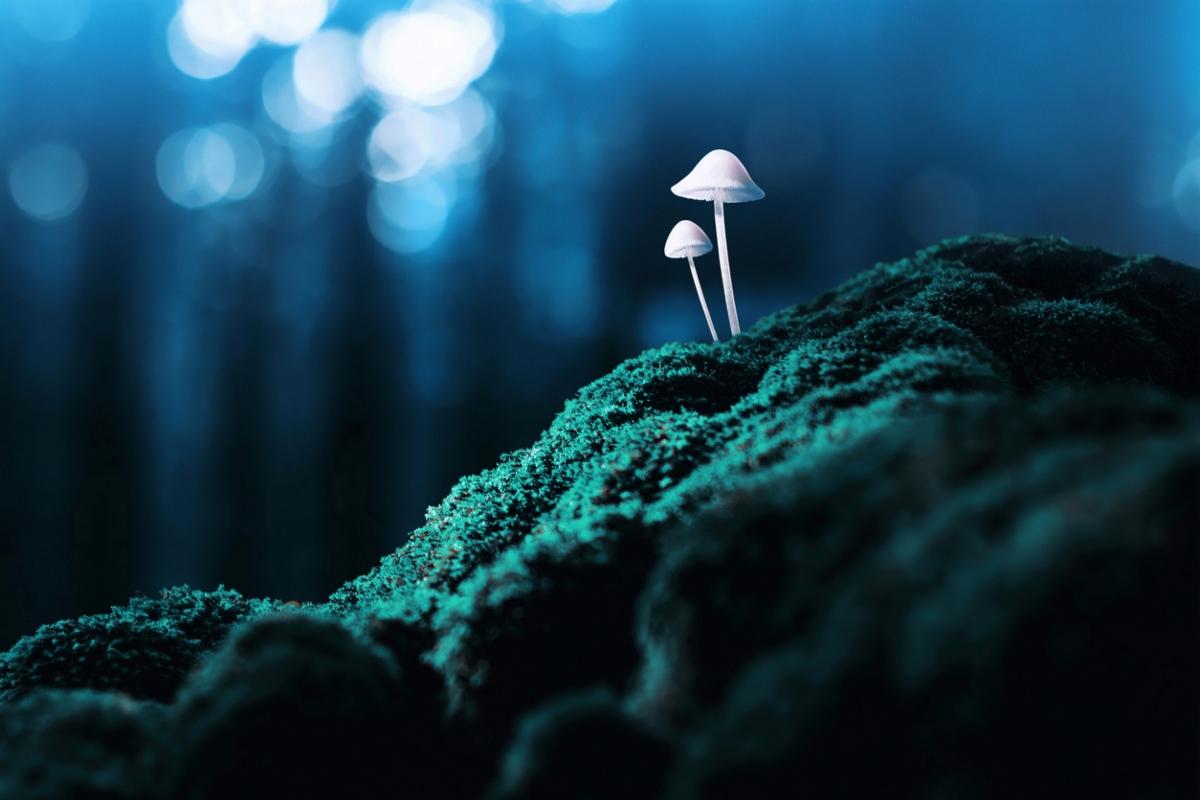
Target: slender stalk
735,327
700,292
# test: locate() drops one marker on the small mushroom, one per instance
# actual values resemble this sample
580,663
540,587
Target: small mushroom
721,178
686,240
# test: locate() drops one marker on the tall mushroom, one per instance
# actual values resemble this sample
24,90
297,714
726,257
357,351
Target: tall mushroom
721,178
686,240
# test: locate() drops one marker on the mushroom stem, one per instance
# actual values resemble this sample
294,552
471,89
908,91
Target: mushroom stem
735,327
700,293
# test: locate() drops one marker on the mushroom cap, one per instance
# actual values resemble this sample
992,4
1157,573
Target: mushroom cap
719,176
687,239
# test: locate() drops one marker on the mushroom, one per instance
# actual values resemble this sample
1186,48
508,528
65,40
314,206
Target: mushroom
687,240
721,178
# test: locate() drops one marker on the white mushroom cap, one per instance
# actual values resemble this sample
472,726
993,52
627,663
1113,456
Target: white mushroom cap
719,176
687,239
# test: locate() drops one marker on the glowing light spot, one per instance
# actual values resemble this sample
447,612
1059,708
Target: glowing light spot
393,153
413,139
198,61
195,168
403,142
191,60
325,71
249,164
285,106
286,21
408,217
430,53
208,38
220,28
201,166
579,6
49,20
1186,194
48,182
475,121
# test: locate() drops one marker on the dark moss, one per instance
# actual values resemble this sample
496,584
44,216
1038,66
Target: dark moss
941,522
918,338
585,747
1004,610
293,706
80,744
979,314
143,649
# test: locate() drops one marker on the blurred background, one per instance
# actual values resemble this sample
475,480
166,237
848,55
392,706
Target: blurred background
273,273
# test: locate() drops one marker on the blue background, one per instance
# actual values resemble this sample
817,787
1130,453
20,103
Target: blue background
263,378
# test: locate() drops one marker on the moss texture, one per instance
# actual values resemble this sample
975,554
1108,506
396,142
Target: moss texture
941,521
144,649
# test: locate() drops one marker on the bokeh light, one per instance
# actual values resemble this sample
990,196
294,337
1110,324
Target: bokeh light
286,107
221,28
48,182
579,6
198,167
435,133
286,21
208,38
409,216
325,71
51,21
475,129
398,147
1186,194
249,163
414,139
195,61
431,52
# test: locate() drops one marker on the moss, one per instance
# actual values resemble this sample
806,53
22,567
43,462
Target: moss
979,314
896,341
1007,605
555,753
292,706
143,649
940,520
80,744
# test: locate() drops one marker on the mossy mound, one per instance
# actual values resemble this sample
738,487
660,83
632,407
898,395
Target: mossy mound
144,649
1011,605
942,522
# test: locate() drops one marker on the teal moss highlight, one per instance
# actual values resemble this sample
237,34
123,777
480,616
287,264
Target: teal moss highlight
888,504
143,649
688,427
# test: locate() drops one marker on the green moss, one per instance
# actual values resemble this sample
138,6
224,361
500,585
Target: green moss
1009,604
81,744
143,649
870,529
978,314
688,427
